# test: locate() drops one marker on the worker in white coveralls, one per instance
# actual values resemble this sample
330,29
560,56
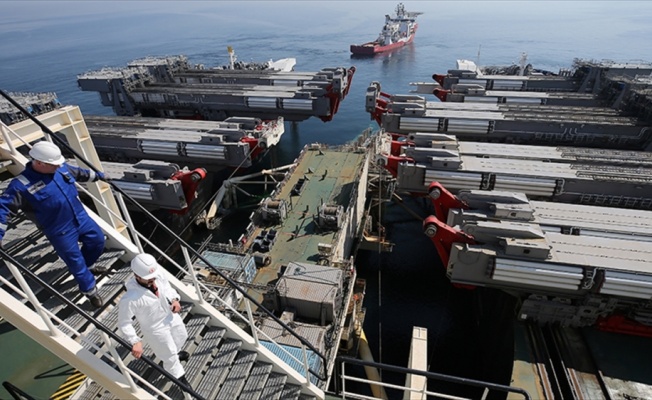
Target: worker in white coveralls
155,304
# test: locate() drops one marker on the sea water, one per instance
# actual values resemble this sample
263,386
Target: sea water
44,45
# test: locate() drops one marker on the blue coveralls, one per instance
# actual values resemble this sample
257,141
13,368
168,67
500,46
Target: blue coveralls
52,201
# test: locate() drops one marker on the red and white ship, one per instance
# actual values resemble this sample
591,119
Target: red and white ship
398,31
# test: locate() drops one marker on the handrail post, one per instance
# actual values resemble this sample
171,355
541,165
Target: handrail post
343,377
5,136
127,217
191,271
6,130
251,323
120,362
305,363
54,332
424,389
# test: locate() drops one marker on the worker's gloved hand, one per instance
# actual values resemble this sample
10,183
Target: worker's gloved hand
103,177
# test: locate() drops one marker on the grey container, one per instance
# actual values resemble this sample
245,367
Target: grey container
312,291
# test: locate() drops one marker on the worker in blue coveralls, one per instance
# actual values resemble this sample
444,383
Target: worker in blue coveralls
46,192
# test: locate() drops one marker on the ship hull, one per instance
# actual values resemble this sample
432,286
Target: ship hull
371,48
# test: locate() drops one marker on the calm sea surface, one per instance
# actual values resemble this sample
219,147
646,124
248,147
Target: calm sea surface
45,45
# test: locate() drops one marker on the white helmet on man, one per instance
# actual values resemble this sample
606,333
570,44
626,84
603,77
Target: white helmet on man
144,265
47,152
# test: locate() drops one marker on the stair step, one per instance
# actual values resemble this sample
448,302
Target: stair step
108,290
274,387
137,366
256,382
27,244
91,392
206,349
186,307
52,273
238,374
110,320
195,326
217,370
290,392
22,235
109,260
107,396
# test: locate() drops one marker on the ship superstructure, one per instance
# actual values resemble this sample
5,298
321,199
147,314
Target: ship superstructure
399,29
171,87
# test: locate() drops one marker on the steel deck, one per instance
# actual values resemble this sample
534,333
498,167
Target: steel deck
330,176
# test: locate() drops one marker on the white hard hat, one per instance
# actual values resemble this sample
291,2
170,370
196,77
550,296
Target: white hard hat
144,265
47,152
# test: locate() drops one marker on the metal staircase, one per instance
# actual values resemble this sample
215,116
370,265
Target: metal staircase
39,297
220,366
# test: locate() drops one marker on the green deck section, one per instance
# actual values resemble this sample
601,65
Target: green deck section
29,366
331,176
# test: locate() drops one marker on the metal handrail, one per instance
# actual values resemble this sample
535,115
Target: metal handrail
176,237
99,325
342,360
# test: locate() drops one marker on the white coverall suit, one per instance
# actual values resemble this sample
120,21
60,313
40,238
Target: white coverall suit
162,329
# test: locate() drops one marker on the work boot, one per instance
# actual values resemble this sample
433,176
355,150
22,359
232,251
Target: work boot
183,355
96,300
99,270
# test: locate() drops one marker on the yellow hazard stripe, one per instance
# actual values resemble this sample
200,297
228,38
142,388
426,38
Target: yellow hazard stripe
69,386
